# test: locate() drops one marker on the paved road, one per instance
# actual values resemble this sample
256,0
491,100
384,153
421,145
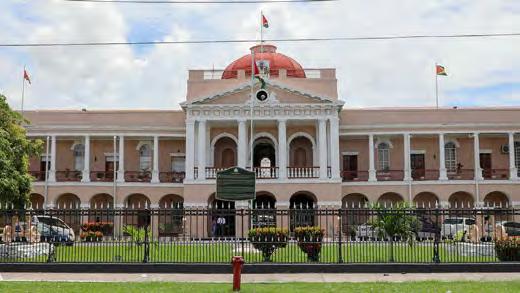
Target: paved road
258,278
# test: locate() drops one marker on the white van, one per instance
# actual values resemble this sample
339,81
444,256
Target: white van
451,226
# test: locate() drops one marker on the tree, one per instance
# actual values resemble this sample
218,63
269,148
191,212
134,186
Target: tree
15,150
397,221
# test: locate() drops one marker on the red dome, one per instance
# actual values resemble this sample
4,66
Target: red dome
277,61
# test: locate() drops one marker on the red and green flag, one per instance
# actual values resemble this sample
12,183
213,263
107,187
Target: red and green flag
265,23
441,70
26,76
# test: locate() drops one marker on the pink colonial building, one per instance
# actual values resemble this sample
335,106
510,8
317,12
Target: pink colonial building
308,148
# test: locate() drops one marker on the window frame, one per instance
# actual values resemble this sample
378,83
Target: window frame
383,157
145,160
450,157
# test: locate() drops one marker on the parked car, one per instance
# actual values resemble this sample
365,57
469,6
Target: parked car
451,226
511,229
54,229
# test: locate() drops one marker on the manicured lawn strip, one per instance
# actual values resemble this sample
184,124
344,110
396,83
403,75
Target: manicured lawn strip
430,287
223,252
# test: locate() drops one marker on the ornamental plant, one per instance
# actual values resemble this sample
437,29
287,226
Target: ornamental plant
268,240
508,249
309,240
396,222
99,234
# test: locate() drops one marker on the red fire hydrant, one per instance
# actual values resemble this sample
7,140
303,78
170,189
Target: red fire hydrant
237,262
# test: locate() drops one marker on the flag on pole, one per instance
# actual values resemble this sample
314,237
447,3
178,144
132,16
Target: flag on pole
265,23
441,70
26,76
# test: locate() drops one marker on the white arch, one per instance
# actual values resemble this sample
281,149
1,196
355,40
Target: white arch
273,139
385,140
127,197
214,141
76,143
310,138
452,140
57,199
222,135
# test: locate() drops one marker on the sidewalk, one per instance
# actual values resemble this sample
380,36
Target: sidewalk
257,278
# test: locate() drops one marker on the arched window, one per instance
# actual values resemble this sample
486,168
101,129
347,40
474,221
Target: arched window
79,157
383,156
450,157
145,157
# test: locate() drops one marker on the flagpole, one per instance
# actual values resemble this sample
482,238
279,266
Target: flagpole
46,186
436,87
23,88
261,31
251,108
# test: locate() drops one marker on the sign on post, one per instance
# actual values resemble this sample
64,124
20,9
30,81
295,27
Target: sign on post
235,184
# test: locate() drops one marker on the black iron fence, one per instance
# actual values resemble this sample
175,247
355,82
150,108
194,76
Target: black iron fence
182,235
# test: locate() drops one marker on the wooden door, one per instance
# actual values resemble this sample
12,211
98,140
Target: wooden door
109,169
350,166
418,166
485,164
41,175
228,158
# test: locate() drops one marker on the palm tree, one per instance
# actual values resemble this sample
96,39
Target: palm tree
396,221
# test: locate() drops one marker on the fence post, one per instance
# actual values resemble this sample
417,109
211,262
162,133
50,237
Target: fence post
340,230
436,257
52,251
146,257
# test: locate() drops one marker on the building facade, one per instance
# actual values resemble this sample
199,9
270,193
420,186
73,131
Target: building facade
308,149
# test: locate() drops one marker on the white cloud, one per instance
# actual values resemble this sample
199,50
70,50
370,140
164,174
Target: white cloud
370,73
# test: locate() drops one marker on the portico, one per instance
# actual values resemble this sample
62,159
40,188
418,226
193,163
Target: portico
313,129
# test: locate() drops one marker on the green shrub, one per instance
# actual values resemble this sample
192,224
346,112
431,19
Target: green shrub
309,241
268,240
508,250
137,234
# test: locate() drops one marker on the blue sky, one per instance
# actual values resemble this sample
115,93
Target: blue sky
481,72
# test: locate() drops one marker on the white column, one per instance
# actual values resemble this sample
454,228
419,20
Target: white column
513,171
242,143
322,140
443,174
52,171
407,165
476,153
201,156
190,149
334,147
155,170
86,164
282,148
371,163
121,162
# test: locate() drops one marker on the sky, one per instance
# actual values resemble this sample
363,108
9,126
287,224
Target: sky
398,73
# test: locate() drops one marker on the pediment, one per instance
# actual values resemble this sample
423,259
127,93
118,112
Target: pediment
278,94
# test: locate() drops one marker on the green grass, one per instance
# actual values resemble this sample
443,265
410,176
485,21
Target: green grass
415,287
223,252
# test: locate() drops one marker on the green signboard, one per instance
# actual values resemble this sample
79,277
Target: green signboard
235,184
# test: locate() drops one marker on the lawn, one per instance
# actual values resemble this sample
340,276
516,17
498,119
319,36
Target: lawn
430,287
198,252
